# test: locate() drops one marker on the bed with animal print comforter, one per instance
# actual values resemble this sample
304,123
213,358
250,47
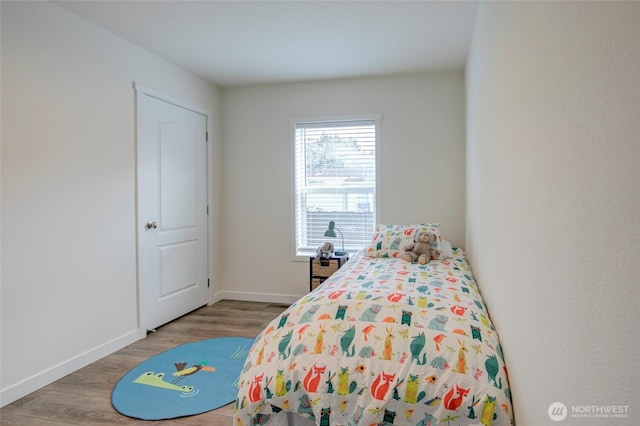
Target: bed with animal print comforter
382,341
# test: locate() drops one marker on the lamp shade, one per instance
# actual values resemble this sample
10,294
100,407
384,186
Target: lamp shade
331,232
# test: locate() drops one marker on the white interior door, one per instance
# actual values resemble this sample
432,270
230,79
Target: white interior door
172,209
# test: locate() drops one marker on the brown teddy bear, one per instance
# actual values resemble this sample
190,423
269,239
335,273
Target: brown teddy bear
421,249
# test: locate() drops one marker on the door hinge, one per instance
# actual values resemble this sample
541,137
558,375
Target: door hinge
206,136
207,209
208,282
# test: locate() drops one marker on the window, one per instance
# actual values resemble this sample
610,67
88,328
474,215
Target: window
335,180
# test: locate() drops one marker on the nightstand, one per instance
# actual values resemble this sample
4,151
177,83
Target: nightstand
321,269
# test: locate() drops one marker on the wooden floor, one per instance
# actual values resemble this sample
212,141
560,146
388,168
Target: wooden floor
84,397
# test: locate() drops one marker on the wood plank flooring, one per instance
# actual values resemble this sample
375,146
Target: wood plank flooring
84,397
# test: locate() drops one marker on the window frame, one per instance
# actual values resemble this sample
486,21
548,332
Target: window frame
376,119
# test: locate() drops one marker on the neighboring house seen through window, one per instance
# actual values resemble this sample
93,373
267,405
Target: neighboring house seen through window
335,180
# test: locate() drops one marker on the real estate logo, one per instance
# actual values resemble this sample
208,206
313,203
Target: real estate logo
557,411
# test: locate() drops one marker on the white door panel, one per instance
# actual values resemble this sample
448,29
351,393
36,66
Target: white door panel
172,210
178,176
178,267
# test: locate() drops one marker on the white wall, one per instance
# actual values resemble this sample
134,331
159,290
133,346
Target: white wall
553,199
422,134
68,277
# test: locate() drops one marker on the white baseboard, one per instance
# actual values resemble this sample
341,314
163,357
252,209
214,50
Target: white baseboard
25,387
259,297
215,297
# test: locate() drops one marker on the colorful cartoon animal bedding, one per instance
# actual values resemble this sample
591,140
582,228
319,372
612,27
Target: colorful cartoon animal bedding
382,341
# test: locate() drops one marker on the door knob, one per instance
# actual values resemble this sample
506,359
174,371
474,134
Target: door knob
151,225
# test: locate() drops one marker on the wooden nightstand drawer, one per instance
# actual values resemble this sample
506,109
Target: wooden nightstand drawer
321,269
324,267
315,282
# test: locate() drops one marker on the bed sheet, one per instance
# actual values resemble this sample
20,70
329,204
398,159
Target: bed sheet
382,341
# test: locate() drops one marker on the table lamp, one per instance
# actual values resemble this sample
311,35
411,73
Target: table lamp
331,232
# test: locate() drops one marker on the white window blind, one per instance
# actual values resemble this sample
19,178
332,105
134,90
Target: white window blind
335,180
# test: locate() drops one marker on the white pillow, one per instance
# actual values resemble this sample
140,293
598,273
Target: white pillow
447,250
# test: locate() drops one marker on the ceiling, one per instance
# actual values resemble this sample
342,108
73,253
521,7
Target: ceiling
237,43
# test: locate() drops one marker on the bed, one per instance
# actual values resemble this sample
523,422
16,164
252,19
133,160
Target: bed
382,341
